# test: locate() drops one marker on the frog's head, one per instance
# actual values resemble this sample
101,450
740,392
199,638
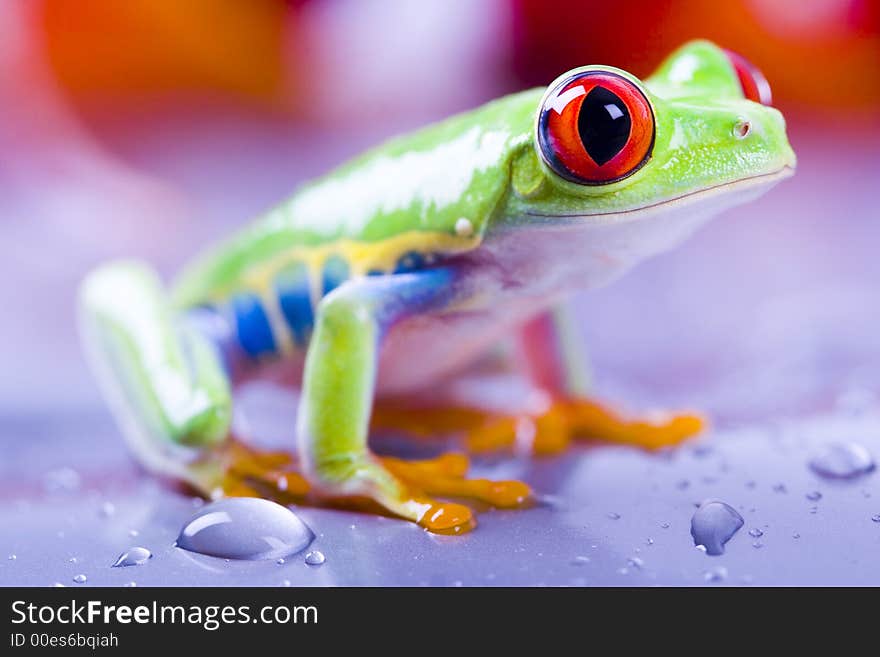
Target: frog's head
608,147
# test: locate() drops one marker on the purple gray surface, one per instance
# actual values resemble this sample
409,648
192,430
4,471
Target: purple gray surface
767,320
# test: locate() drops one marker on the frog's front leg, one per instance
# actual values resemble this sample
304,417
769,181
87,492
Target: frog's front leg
337,399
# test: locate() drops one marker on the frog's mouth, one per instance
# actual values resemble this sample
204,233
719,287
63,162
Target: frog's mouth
728,191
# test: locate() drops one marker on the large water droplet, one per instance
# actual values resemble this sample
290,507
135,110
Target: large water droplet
713,524
80,579
315,558
245,528
842,461
133,557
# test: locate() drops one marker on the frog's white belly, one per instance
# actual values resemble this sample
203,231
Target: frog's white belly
523,271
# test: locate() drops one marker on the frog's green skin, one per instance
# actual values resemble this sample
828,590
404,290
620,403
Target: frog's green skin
430,246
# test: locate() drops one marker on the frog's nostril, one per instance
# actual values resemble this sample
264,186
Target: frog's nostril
742,128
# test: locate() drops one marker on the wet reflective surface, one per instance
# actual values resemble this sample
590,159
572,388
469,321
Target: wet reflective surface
569,539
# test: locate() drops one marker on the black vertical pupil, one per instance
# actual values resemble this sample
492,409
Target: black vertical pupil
603,124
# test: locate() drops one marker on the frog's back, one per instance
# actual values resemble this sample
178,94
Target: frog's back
402,206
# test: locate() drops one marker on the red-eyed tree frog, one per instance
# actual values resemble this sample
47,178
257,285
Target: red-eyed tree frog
406,264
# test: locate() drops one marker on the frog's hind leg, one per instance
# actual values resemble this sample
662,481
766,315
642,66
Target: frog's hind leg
165,380
552,360
558,411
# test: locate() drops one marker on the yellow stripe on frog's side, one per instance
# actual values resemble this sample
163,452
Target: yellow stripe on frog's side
361,257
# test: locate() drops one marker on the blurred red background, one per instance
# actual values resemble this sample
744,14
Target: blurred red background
823,54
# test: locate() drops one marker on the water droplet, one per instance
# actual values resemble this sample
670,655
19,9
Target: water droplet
80,579
135,556
713,524
131,585
779,488
580,561
814,496
280,562
315,558
650,541
72,560
635,562
286,583
756,533
795,535
814,509
245,528
664,525
876,517
613,515
757,544
58,585
700,548
12,557
133,533
107,509
718,574
842,461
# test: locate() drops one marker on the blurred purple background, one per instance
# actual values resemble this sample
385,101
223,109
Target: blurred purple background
149,129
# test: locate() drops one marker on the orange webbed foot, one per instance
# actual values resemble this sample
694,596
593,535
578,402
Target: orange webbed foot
547,431
245,471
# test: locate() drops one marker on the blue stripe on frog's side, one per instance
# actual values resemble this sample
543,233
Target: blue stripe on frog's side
295,299
252,325
336,272
293,289
216,328
409,262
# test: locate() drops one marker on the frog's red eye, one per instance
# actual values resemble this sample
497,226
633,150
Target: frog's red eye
754,85
595,127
